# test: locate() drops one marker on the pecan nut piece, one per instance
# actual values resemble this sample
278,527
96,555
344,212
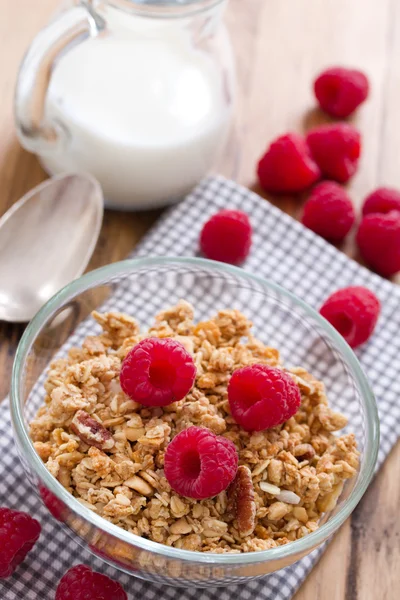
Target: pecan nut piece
241,501
304,452
91,431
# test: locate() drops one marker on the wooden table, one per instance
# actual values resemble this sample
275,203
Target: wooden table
280,46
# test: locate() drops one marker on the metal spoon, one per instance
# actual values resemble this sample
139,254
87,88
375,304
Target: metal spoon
46,241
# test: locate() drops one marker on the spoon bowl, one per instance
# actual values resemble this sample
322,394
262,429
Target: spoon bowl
46,241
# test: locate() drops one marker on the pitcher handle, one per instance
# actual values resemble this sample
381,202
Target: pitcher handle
72,26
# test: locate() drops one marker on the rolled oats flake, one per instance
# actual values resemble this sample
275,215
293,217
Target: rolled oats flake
178,507
181,527
260,468
139,485
277,511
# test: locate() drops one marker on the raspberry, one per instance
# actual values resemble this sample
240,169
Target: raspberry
261,397
52,503
157,372
81,583
287,166
382,200
329,212
226,236
18,534
199,464
340,91
353,311
378,238
336,149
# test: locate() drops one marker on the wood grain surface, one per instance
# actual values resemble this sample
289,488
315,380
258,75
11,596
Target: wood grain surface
280,45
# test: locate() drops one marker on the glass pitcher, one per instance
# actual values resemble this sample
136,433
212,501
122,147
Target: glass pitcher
138,93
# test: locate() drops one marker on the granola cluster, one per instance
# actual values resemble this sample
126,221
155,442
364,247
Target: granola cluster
108,451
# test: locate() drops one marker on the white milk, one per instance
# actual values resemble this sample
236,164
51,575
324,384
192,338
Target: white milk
145,116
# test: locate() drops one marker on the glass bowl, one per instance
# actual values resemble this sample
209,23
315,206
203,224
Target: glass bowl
142,288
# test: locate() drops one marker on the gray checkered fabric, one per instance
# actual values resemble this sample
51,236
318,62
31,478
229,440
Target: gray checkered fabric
284,251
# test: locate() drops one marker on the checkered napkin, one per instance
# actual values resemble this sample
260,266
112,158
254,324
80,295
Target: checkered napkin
286,252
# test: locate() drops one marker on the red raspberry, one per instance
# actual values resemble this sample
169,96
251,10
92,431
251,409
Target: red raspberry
353,311
261,397
157,372
382,200
340,91
199,464
336,149
287,167
378,238
52,503
329,212
81,583
18,534
226,236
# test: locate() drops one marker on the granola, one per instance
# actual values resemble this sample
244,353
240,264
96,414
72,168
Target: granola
108,451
